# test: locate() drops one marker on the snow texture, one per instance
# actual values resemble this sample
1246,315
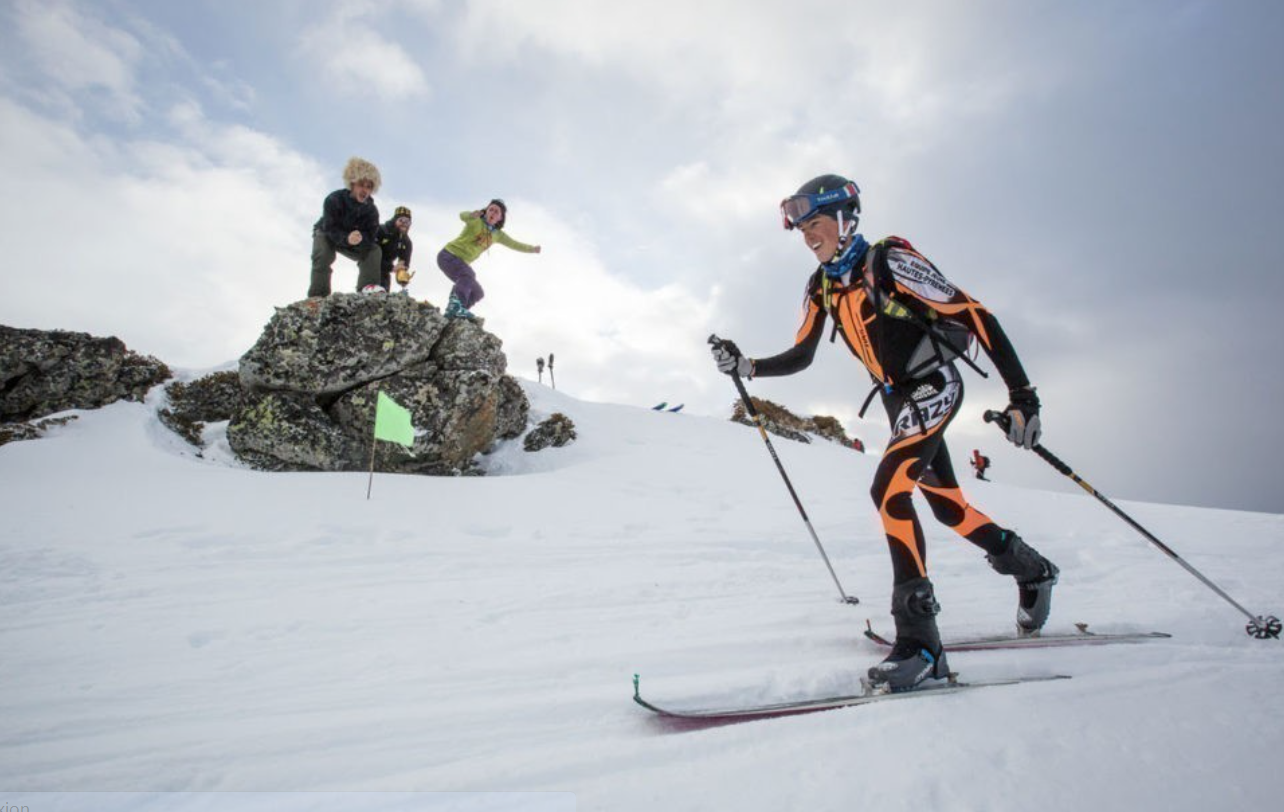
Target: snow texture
179,624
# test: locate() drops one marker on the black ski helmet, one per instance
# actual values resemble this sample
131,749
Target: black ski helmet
848,202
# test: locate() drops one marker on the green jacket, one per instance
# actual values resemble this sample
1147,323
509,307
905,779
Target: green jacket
473,241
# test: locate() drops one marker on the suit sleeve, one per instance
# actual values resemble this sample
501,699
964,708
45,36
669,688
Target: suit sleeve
913,276
1003,354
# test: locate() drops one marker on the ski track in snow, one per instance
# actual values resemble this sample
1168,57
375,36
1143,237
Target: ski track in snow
175,623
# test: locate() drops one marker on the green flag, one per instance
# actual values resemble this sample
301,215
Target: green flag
392,422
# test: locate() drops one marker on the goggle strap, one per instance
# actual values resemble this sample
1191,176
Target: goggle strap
847,192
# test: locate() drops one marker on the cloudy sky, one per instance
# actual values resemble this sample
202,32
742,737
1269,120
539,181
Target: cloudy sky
1104,176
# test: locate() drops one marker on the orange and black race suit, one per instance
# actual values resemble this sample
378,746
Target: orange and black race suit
907,323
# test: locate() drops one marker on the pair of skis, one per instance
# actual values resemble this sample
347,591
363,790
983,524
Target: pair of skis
724,714
663,406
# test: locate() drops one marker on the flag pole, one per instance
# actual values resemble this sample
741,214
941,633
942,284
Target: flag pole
392,423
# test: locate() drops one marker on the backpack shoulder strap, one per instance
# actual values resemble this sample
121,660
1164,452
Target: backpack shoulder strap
948,341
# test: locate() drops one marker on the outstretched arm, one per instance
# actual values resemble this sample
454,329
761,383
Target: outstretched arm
505,240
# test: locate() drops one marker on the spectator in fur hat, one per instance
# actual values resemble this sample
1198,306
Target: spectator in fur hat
394,242
349,219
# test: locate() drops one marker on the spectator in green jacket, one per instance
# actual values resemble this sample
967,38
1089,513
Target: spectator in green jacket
482,229
347,226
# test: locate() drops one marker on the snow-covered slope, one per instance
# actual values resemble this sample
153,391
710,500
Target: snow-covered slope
175,623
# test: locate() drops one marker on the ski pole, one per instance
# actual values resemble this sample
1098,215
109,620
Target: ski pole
758,421
1259,626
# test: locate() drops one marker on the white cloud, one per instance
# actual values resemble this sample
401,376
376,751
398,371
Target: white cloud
350,52
182,251
690,49
817,59
81,53
614,340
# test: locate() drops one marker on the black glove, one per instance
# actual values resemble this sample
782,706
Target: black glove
729,360
1024,427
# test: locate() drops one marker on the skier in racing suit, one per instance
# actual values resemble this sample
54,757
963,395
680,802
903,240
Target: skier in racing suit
908,325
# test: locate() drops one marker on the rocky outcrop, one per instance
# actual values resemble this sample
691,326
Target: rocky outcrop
210,399
780,421
311,382
43,372
13,432
556,431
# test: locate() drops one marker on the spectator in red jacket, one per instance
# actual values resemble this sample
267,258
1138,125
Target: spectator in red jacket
980,463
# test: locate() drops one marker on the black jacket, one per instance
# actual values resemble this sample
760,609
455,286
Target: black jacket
341,214
394,243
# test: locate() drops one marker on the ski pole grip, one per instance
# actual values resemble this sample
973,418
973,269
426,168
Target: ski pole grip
744,395
735,378
992,416
1004,422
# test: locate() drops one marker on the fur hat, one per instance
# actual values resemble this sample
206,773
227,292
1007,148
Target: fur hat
361,169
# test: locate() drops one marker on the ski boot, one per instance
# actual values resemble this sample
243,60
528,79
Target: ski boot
455,309
917,655
1035,577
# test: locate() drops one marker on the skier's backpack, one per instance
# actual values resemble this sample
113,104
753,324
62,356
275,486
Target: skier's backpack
944,340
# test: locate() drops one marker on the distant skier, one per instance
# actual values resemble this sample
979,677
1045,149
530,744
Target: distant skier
347,226
907,324
981,463
482,228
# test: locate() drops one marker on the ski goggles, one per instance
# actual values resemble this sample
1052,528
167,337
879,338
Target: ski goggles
798,208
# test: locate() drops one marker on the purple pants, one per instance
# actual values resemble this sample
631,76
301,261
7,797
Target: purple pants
461,273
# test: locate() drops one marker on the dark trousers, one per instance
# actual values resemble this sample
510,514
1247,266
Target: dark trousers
323,254
466,288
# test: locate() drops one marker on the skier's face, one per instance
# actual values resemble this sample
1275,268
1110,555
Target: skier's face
362,190
493,214
820,233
